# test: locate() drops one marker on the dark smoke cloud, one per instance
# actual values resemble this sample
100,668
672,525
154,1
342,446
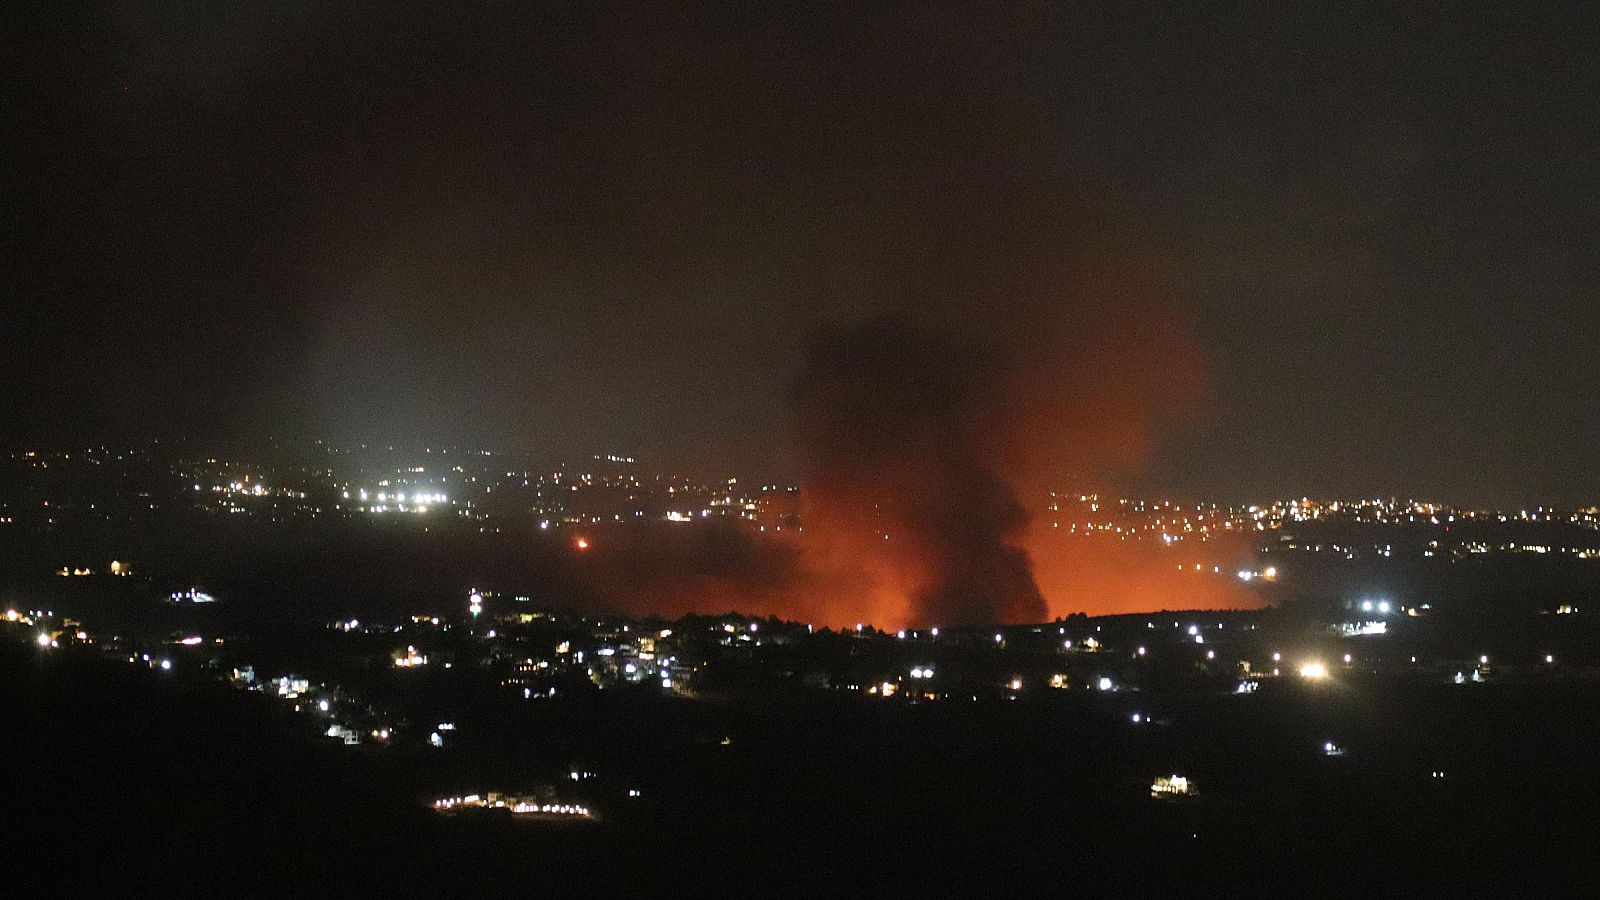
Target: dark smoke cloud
898,428
1058,356
929,440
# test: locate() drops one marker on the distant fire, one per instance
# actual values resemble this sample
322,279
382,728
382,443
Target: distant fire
1104,576
928,449
897,425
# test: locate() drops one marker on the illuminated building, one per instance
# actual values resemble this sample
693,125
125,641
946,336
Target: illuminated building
1170,786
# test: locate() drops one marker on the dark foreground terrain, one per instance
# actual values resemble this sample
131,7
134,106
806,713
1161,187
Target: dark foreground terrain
118,776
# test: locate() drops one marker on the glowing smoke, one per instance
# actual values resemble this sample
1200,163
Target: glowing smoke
929,442
898,430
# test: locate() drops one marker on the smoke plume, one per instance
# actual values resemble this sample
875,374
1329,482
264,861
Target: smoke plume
899,428
930,437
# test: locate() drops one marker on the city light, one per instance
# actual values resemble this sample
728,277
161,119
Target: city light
1171,786
410,659
536,642
516,805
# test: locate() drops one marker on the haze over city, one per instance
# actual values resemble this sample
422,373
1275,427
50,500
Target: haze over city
1340,251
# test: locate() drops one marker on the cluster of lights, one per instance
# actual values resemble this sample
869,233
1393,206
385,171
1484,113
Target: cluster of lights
1174,524
1170,786
116,568
419,498
350,736
290,687
514,804
1269,573
411,659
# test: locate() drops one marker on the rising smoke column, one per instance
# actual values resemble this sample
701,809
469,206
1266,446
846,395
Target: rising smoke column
1044,360
900,430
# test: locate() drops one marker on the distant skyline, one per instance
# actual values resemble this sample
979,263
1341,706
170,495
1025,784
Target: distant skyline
1337,252
272,457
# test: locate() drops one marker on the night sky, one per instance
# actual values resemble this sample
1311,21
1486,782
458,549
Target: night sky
1372,235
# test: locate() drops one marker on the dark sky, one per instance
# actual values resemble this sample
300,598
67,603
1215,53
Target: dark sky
528,227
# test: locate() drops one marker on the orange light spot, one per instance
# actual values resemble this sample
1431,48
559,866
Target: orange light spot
583,543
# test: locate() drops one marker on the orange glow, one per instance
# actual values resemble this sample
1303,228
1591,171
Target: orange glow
1103,576
582,543
925,500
